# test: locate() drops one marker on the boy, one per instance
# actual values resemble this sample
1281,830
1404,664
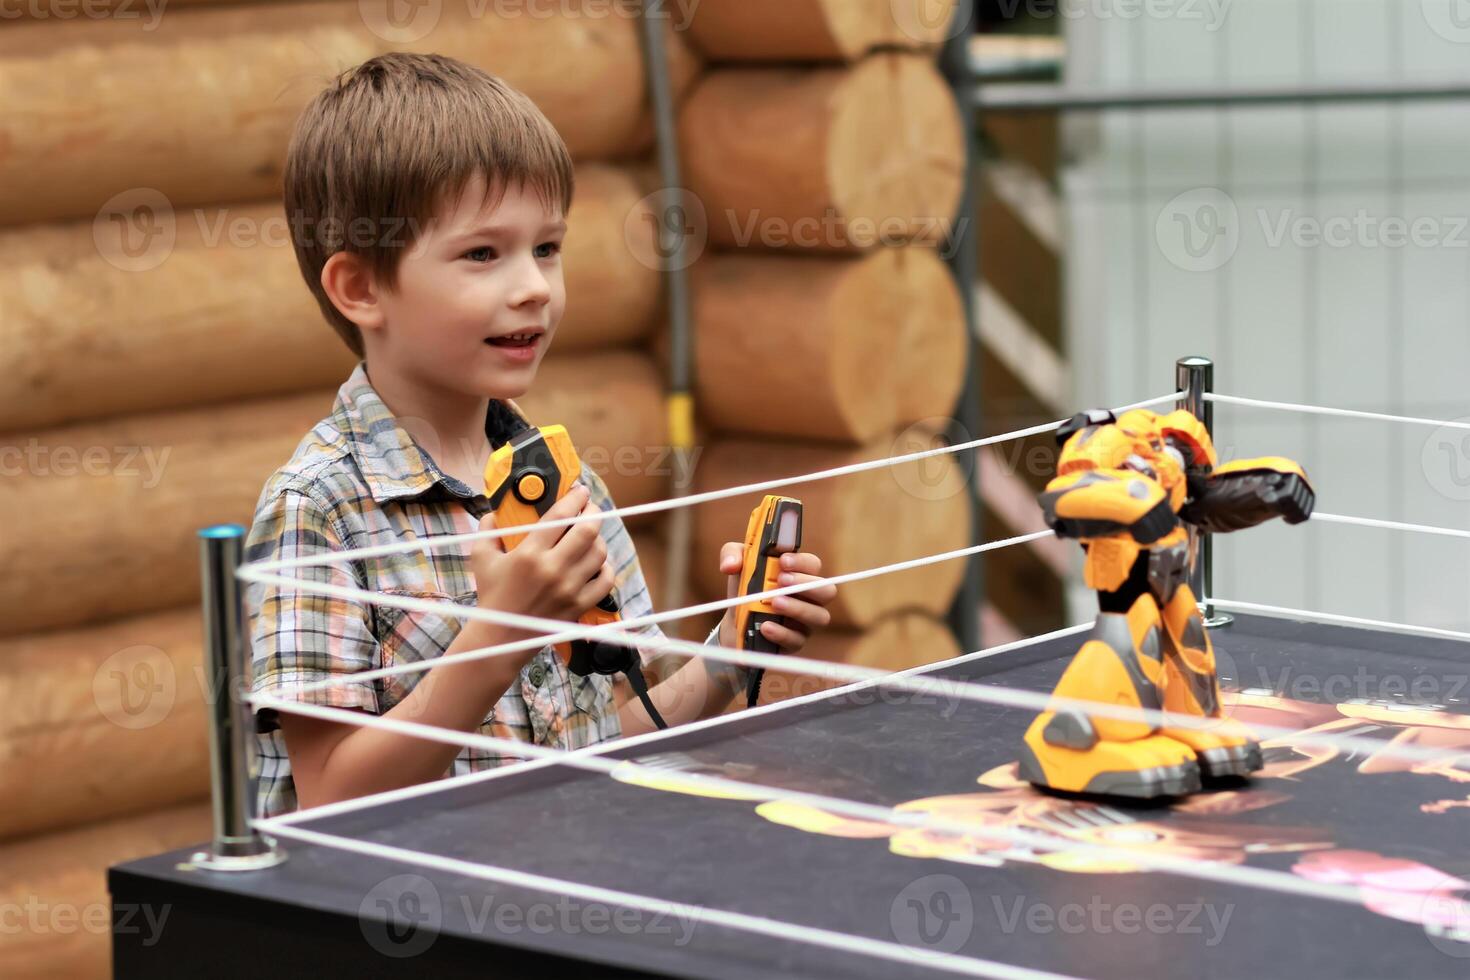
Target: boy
427,202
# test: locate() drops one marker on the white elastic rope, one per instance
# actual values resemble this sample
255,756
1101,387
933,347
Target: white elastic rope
651,739
560,631
985,694
443,540
1348,413
1449,532
1309,614
752,792
775,928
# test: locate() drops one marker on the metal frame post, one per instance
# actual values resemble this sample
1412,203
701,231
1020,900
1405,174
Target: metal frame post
1194,376
237,846
963,252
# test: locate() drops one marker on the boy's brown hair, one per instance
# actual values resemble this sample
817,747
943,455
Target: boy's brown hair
388,143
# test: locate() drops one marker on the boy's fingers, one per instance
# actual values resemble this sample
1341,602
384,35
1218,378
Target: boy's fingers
487,523
821,595
732,557
568,506
801,561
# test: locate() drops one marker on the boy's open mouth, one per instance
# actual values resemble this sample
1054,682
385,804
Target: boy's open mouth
527,338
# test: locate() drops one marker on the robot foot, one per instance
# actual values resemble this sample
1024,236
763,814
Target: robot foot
1223,752
1146,768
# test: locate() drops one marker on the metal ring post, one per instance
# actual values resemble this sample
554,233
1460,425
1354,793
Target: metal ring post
1194,376
237,846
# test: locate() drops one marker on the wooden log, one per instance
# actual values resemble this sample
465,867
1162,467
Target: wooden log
83,335
105,514
816,30
200,108
934,342
834,349
57,885
799,346
828,159
852,522
118,708
896,642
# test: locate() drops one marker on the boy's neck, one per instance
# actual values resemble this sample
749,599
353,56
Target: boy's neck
448,425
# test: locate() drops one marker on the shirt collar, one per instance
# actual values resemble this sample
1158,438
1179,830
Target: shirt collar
392,463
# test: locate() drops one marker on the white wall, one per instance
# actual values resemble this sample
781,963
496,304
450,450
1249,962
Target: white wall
1351,323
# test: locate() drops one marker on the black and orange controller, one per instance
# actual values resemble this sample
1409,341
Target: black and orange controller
524,479
774,529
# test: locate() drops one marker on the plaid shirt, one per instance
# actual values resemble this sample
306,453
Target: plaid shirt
358,479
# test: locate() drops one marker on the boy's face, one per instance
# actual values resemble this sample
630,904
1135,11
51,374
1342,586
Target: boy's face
474,277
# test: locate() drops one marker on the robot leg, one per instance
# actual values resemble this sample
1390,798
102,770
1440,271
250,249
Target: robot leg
1067,749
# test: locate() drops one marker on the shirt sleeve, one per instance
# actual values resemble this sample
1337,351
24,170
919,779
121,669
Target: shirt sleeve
637,602
298,637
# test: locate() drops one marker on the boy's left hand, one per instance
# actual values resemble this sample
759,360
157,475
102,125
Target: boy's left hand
804,611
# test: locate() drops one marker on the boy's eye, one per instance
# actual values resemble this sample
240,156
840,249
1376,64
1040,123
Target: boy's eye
482,254
547,249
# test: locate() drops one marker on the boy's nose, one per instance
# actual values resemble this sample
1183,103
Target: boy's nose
532,286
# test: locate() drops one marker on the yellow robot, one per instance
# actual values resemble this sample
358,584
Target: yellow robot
1126,488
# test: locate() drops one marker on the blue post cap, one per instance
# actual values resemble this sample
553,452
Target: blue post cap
223,531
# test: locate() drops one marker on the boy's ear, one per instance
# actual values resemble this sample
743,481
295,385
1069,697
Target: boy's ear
350,285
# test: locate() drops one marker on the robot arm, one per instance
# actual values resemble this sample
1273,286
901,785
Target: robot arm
1248,492
1101,503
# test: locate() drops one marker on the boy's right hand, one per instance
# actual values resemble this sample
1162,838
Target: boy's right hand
554,573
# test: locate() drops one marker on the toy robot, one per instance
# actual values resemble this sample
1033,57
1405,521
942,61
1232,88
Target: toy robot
1126,487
